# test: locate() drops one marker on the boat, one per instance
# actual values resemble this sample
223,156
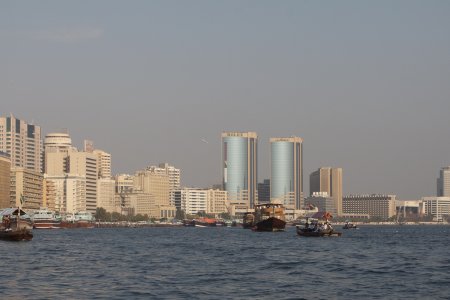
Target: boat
312,227
12,227
269,217
204,222
45,219
248,220
349,225
78,220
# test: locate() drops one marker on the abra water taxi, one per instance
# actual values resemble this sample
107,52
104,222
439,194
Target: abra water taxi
15,225
269,217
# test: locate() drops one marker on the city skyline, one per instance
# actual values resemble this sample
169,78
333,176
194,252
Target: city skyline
364,84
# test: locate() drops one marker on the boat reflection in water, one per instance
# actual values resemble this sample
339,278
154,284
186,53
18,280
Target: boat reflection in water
267,217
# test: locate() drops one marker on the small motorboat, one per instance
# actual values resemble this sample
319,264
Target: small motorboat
349,225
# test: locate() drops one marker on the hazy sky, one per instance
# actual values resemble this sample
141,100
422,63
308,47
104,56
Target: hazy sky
366,84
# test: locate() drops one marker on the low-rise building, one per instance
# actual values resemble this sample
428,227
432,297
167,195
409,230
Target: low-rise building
374,205
438,207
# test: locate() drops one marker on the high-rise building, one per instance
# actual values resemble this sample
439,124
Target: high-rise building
26,188
22,141
124,183
443,183
216,201
106,194
153,183
69,192
85,164
328,180
264,191
5,180
104,164
240,169
174,175
48,194
193,200
286,168
57,147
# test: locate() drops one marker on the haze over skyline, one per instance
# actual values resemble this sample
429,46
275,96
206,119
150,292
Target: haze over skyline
365,84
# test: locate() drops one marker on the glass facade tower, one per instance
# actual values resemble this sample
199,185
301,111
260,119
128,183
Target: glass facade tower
239,161
286,168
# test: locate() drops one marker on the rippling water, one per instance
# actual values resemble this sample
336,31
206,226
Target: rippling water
383,262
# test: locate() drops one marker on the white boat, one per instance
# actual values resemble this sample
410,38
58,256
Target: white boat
45,219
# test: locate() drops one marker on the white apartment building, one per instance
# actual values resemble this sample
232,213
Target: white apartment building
436,206
69,193
194,200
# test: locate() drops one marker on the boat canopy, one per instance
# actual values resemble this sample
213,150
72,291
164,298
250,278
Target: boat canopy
12,211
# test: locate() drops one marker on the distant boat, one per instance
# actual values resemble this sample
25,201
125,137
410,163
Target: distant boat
78,220
204,222
269,217
13,227
313,228
45,219
349,225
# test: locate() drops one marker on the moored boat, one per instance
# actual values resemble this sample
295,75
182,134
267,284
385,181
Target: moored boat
45,219
78,220
248,220
269,217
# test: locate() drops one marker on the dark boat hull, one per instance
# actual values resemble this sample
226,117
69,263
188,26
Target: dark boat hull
307,233
16,235
270,224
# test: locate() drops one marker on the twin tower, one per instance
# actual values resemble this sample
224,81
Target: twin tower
240,170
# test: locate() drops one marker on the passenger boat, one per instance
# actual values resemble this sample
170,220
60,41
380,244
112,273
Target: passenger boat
313,228
45,219
269,217
12,227
248,220
349,225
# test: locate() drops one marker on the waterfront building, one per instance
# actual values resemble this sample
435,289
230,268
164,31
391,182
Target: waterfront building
322,201
26,188
264,191
84,164
192,200
328,180
438,207
174,176
153,183
106,194
48,194
69,192
409,210
5,180
443,183
286,169
22,141
216,201
375,205
239,162
104,163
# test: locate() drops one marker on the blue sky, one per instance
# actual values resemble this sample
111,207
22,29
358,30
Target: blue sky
364,83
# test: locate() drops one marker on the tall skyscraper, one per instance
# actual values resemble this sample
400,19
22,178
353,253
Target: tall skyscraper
286,168
104,164
56,152
328,180
174,175
22,141
240,169
443,183
264,191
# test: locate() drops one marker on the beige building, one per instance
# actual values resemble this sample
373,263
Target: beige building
104,164
26,188
382,206
22,141
174,175
124,183
153,183
217,200
322,201
5,180
57,147
106,194
69,193
328,180
84,164
48,194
